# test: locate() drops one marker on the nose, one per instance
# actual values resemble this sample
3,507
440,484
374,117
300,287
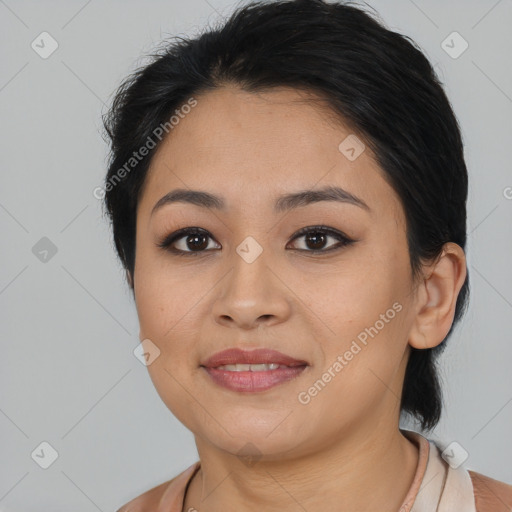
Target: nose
252,293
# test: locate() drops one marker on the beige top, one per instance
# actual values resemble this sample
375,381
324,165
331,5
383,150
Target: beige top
437,487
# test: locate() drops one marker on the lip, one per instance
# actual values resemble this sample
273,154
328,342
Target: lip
257,356
252,381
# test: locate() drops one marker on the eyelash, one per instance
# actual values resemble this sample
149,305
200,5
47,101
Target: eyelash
166,242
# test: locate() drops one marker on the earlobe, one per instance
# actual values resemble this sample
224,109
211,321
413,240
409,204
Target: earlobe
437,298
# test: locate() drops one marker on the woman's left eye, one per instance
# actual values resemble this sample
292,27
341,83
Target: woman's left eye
314,236
317,236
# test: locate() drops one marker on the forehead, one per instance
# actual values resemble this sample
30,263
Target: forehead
251,147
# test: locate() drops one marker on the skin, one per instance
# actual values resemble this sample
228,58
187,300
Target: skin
326,455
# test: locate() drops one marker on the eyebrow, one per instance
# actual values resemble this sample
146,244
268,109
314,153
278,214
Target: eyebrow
283,203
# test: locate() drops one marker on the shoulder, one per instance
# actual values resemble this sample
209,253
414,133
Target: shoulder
491,495
165,496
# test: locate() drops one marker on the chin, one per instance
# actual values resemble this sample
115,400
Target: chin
259,437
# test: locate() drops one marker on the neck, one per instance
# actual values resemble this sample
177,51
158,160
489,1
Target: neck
368,469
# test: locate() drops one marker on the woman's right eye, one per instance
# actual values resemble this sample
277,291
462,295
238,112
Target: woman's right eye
194,238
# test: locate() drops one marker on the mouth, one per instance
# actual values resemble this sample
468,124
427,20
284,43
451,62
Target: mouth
251,367
252,371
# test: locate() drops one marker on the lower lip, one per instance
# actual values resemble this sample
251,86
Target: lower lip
253,381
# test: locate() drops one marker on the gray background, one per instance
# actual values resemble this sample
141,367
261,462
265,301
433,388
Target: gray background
69,326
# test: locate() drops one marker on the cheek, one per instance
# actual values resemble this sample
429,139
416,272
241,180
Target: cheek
163,296
166,317
349,298
359,369
363,319
175,390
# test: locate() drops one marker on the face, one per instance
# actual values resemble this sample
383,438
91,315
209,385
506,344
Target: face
338,299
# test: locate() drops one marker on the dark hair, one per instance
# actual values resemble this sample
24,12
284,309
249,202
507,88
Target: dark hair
376,81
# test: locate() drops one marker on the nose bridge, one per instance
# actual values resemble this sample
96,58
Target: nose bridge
251,289
250,259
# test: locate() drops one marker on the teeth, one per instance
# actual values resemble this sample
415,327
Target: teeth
250,367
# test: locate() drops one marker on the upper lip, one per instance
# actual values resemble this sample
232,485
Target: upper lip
257,356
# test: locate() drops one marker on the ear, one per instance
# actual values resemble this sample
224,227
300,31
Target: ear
437,298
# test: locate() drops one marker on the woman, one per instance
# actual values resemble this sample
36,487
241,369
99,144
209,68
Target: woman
288,198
